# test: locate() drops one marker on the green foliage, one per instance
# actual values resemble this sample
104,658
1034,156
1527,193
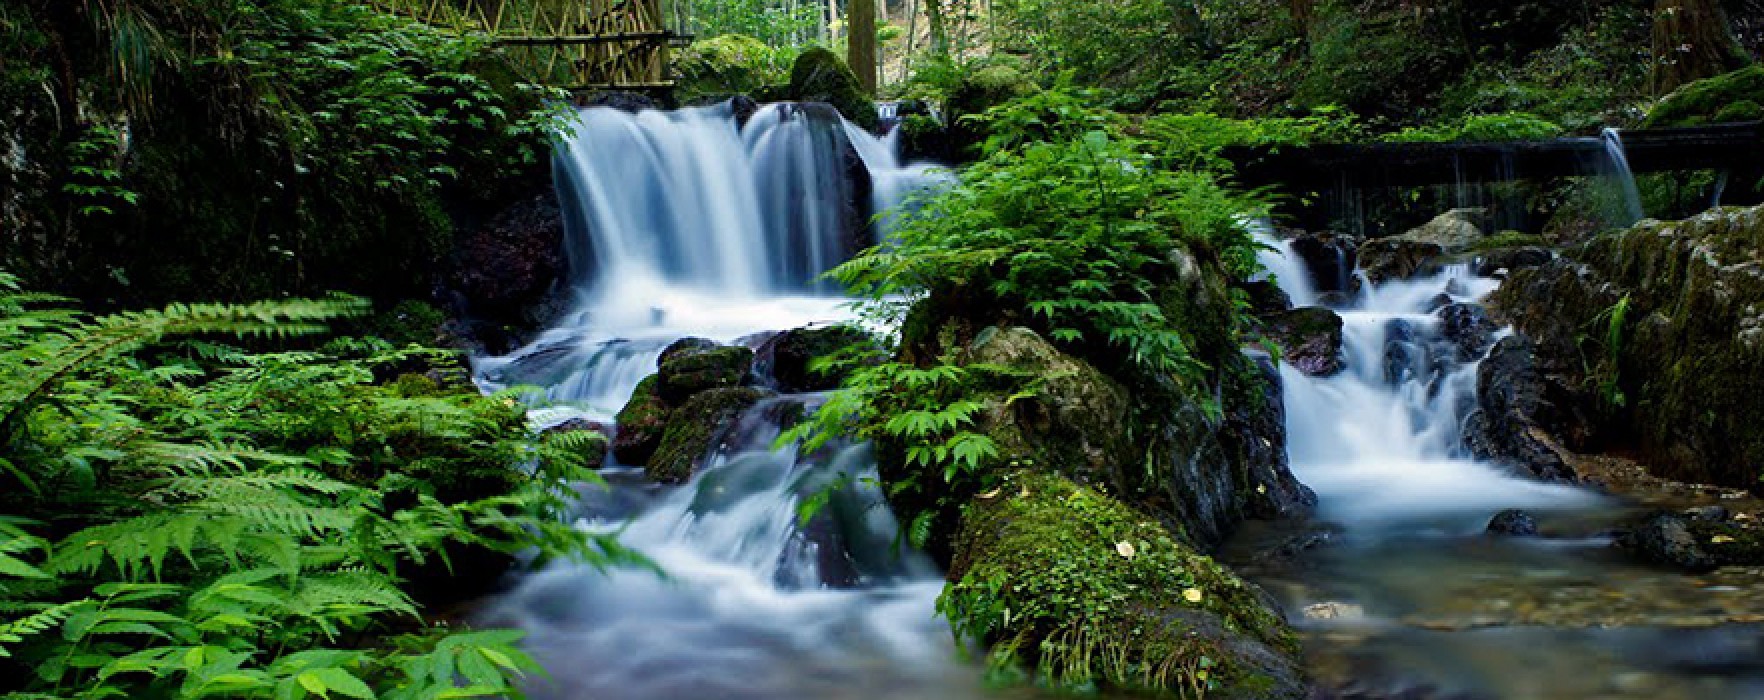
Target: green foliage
778,25
187,519
1607,372
1516,126
1703,101
92,172
1196,141
729,64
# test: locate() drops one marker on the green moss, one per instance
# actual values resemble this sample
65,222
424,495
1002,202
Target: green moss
1703,101
641,423
690,372
692,429
727,65
819,76
1089,592
1505,239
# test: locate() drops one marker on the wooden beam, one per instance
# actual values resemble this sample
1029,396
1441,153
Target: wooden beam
572,39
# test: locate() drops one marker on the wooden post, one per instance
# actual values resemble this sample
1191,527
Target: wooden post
860,42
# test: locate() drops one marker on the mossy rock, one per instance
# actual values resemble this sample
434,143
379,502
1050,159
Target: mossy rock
819,76
1704,101
641,424
692,371
788,357
693,430
1309,338
730,64
1088,592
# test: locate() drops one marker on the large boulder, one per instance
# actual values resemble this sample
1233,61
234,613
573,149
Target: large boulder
1468,328
695,428
1309,339
1085,590
731,64
1401,257
1330,258
820,76
1659,331
787,357
1729,97
504,271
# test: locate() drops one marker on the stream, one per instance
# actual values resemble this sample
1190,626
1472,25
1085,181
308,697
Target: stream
695,223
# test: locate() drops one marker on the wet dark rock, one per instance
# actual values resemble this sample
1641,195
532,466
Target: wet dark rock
1520,414
1396,258
1708,514
1504,261
786,357
1402,352
593,451
502,273
1468,328
622,101
1309,339
683,346
1330,258
1254,437
1666,538
1266,298
695,428
1335,300
1438,302
1513,523
694,370
641,424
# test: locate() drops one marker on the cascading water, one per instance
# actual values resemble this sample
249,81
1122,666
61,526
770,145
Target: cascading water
688,223
1618,158
1407,597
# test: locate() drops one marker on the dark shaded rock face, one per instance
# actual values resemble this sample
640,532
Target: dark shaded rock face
623,101
1331,259
1468,328
1513,523
786,357
1267,298
641,423
503,272
1666,538
1501,262
695,428
1680,385
1254,439
1396,258
690,371
1309,339
1520,413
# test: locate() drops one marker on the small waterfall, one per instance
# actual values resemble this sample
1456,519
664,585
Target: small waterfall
1283,263
1381,442
1619,161
690,223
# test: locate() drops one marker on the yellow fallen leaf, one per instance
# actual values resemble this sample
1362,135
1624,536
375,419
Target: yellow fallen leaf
1721,539
989,495
1125,549
1192,595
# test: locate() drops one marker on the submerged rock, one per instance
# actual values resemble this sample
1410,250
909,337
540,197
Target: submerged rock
1098,592
1309,339
695,428
640,424
1513,523
691,371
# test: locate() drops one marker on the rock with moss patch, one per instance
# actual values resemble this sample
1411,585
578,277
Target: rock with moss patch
730,64
1659,333
1401,257
1098,593
787,358
1309,339
694,429
1712,100
690,371
641,424
820,76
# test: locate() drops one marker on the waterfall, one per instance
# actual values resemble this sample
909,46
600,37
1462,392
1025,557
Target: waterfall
1282,263
1619,161
691,223
1381,442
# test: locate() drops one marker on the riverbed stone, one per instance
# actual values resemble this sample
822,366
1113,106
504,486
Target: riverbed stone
695,428
1666,538
1513,523
1404,256
641,424
1098,591
1309,339
692,371
1468,328
787,357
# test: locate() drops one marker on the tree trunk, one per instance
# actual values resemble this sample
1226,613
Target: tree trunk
939,28
1692,41
860,42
